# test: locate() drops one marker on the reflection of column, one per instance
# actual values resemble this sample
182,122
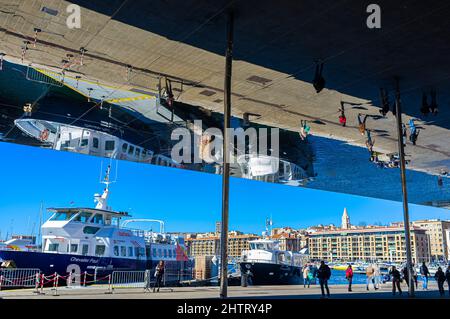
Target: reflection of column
226,158
401,154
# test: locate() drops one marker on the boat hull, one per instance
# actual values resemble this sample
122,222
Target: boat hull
272,274
49,263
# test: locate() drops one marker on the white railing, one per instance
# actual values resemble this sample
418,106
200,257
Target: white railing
19,277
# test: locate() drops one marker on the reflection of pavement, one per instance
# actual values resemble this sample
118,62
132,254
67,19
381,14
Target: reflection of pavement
251,292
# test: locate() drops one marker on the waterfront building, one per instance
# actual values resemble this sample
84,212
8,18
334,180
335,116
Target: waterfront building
210,245
436,230
385,243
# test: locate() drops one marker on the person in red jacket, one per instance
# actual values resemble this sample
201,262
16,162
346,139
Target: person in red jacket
349,276
342,117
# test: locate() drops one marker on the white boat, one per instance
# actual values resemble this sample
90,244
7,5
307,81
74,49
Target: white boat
90,141
271,169
266,264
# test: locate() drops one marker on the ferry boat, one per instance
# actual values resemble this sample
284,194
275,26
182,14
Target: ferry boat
91,240
266,264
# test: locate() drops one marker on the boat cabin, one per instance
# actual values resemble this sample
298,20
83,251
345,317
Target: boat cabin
90,232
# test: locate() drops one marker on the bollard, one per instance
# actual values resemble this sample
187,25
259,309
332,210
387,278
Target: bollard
69,280
84,281
42,284
110,291
55,284
244,279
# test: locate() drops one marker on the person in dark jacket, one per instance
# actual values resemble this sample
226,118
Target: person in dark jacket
447,276
395,275
159,275
324,274
424,272
440,278
406,275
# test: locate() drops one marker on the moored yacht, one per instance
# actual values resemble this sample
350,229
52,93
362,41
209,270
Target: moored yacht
265,264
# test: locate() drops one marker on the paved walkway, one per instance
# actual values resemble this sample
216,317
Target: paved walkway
253,292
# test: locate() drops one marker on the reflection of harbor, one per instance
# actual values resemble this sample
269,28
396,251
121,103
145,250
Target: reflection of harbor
66,112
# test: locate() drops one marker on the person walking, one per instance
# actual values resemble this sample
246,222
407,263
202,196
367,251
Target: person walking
377,276
447,276
306,272
159,274
324,274
396,277
370,271
415,276
424,272
349,276
362,123
440,278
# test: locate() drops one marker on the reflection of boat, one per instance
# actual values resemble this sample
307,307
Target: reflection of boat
271,169
266,264
86,239
64,137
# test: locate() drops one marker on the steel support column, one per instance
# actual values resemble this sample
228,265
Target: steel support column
226,158
401,154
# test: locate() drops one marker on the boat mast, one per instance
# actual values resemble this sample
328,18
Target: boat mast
102,200
40,224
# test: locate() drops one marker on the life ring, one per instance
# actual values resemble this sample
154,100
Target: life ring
44,135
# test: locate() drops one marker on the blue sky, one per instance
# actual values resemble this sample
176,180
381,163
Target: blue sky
186,200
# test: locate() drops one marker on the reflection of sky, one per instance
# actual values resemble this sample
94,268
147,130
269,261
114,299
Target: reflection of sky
345,168
188,201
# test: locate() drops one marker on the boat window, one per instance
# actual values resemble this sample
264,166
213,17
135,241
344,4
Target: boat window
85,249
82,217
138,152
84,142
165,253
109,145
100,250
97,219
73,248
130,251
124,147
116,250
53,247
123,251
170,253
90,230
62,216
159,253
95,142
137,252
154,252
131,150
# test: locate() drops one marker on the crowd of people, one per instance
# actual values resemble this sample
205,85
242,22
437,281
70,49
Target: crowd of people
375,278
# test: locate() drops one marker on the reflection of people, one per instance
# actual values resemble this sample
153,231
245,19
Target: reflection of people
362,124
306,272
